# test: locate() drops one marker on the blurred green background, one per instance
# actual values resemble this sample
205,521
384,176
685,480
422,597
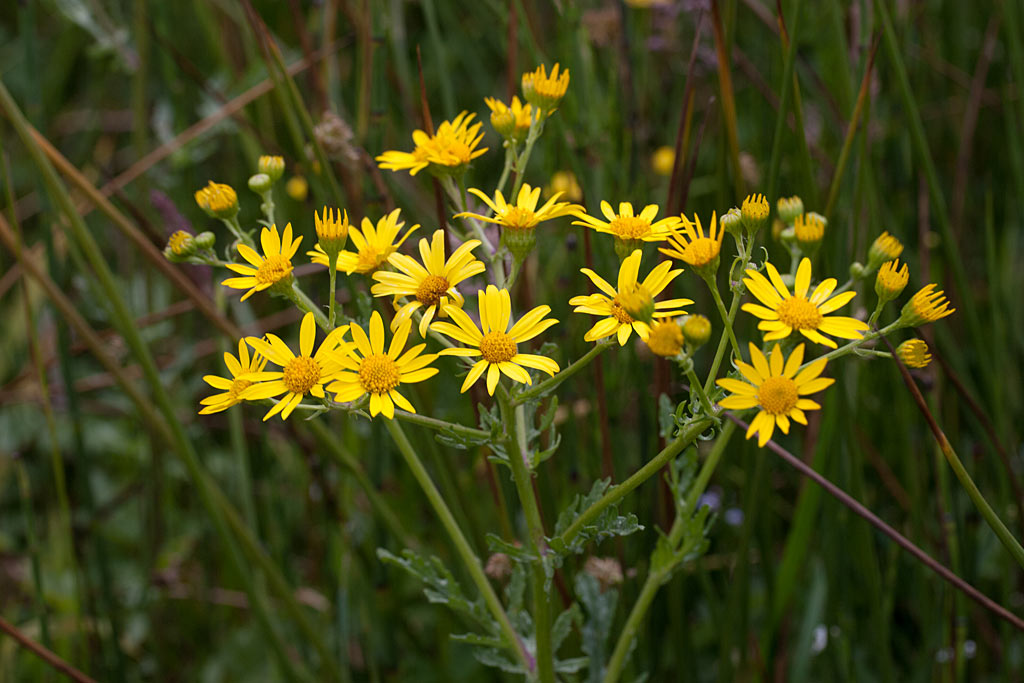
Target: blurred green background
107,554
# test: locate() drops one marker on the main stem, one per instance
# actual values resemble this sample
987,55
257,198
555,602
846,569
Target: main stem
462,547
551,382
518,456
333,269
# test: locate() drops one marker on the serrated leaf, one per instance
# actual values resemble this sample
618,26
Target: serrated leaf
496,658
600,613
563,625
608,523
440,586
518,553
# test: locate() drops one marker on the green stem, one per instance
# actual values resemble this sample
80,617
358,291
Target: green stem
268,205
536,128
550,383
510,153
331,303
462,547
727,319
614,495
852,346
517,450
299,298
734,307
698,389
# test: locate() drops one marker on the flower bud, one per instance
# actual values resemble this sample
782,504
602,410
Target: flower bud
662,161
732,221
809,230
884,248
755,212
218,200
510,122
180,245
332,231
260,183
789,208
890,281
914,353
665,338
297,188
544,91
205,240
271,166
924,307
857,270
697,330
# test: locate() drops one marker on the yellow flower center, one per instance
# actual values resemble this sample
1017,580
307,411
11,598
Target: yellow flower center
519,218
799,313
378,374
630,227
237,387
301,374
701,251
273,269
498,347
370,260
777,395
431,290
620,313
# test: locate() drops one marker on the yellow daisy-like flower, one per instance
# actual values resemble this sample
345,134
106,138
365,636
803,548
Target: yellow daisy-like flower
332,229
524,214
693,247
776,386
512,122
275,266
544,91
495,341
786,312
627,226
369,370
754,212
914,353
891,280
666,338
926,306
234,388
306,373
448,150
884,248
431,285
375,245
608,303
218,199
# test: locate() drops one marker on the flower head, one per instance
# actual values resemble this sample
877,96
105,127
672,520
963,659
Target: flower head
218,200
430,286
776,386
629,229
510,122
926,306
520,219
369,370
696,330
666,338
884,248
332,230
449,150
564,182
789,208
914,353
545,91
695,248
180,245
663,160
272,166
374,245
275,266
608,302
891,280
784,312
233,389
809,229
302,374
297,188
495,342
755,211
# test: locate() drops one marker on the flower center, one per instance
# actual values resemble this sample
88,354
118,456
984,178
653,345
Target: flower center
497,347
519,218
701,251
301,374
777,395
620,313
370,260
273,269
378,374
799,313
431,290
630,227
237,387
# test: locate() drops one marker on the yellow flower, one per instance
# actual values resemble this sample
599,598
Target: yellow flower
564,182
695,248
609,305
544,91
511,122
524,214
627,227
304,374
181,243
271,166
431,285
786,312
891,280
662,161
369,370
789,208
884,248
666,338
218,200
332,230
755,212
914,353
297,188
448,150
234,388
375,245
925,307
696,330
776,387
495,341
809,229
275,266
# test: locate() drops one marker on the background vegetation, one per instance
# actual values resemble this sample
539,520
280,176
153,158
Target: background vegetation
109,555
